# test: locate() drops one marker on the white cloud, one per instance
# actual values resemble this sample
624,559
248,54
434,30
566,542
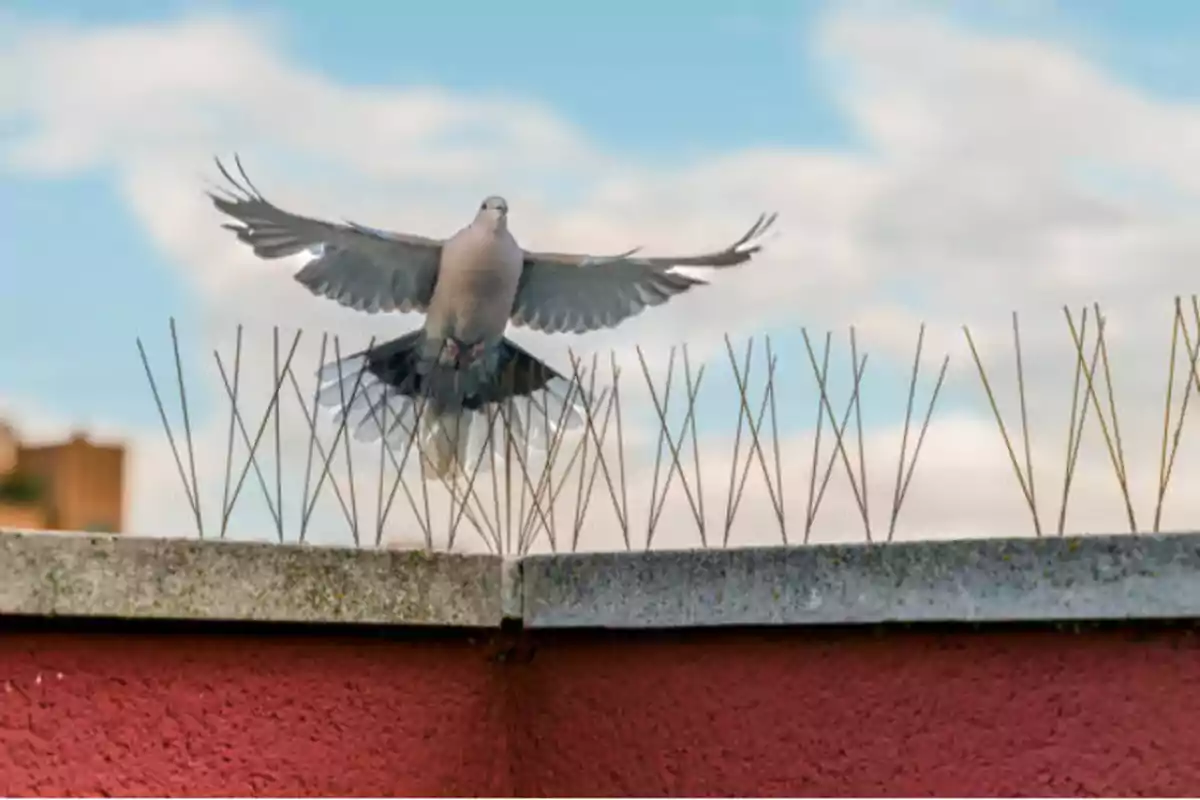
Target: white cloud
984,182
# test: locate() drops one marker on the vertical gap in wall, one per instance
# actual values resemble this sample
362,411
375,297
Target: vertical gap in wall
515,650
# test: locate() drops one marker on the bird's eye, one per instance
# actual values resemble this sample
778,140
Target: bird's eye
483,206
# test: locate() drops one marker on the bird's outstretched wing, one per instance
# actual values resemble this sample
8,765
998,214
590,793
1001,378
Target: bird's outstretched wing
363,268
561,292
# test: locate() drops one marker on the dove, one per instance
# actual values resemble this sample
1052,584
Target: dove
471,287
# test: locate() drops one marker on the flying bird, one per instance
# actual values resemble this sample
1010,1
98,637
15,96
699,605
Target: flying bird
470,287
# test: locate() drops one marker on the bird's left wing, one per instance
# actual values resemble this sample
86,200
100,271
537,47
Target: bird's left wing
561,292
363,268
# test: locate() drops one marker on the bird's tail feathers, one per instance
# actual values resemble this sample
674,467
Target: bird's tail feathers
443,446
543,400
365,403
383,393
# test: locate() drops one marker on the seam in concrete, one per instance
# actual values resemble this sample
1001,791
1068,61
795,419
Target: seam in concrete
512,589
985,580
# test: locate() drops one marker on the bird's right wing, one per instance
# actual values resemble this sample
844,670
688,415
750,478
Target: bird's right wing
363,268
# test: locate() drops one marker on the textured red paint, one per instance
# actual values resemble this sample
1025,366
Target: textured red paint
783,712
185,714
802,712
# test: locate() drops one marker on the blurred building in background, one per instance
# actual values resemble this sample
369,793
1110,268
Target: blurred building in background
75,485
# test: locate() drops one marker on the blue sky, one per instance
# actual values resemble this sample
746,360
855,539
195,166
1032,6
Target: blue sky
87,260
654,79
661,81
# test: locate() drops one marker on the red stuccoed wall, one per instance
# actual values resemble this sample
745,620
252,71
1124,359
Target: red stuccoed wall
779,712
171,714
805,712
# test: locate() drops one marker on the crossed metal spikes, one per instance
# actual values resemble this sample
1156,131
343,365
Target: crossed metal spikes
515,524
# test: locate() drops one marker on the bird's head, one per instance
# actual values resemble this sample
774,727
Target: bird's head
494,209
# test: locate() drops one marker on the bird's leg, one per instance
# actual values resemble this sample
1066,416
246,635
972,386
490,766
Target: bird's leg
450,351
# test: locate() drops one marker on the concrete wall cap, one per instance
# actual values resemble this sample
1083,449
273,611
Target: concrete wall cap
979,580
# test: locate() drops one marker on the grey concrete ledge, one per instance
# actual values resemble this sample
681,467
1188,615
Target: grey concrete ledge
978,580
990,580
83,575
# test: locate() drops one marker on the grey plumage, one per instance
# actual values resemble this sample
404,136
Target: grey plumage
470,287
